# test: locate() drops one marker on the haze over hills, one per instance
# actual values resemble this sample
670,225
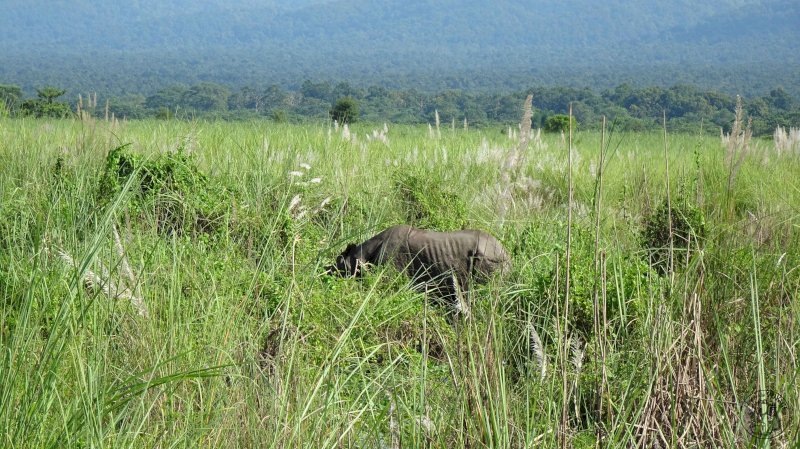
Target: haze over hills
427,43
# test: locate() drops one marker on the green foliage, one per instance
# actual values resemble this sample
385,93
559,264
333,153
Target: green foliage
45,105
629,282
688,108
279,116
682,240
428,202
164,114
49,93
256,39
560,123
10,99
338,361
181,198
206,97
345,110
40,108
128,107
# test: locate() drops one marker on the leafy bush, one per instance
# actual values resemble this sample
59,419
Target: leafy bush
559,123
627,283
429,203
345,110
687,233
182,198
279,116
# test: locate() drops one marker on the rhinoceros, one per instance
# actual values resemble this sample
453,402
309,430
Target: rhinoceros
430,258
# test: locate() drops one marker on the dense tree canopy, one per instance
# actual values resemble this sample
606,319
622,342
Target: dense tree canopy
687,107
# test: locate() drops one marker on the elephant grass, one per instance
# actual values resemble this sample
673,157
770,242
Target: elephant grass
247,344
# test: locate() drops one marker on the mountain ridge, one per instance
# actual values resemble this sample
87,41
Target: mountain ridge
354,39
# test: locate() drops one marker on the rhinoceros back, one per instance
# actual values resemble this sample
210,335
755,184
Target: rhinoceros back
463,253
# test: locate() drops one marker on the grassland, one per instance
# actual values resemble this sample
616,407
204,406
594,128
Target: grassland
179,300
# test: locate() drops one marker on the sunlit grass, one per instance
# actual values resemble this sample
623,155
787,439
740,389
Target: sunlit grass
247,344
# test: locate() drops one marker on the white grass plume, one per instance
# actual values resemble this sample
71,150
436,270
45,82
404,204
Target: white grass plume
104,283
786,142
511,168
536,349
578,352
737,143
295,202
462,305
126,267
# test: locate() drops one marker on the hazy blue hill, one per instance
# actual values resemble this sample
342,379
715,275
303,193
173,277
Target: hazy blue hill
765,23
387,40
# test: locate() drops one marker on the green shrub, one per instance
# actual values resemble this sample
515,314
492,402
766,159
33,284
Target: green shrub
182,197
279,116
345,110
687,234
627,283
559,123
429,203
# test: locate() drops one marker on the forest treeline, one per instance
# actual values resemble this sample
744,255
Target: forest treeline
687,107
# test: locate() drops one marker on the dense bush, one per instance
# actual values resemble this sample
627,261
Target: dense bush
560,123
345,110
686,235
430,202
181,198
629,281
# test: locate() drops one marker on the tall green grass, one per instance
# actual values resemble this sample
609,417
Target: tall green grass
247,344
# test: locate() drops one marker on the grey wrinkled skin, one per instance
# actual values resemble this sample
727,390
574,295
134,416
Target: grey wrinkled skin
434,260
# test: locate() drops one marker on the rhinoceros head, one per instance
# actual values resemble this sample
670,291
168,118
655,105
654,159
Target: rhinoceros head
348,263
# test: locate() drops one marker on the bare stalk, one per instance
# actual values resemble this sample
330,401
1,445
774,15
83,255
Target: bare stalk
669,202
596,296
565,395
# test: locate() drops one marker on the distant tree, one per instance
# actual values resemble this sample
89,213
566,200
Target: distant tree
377,92
45,105
345,110
275,96
344,89
10,99
49,93
129,106
279,116
559,123
164,114
207,97
505,109
645,102
584,112
322,91
780,99
449,105
168,98
247,98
